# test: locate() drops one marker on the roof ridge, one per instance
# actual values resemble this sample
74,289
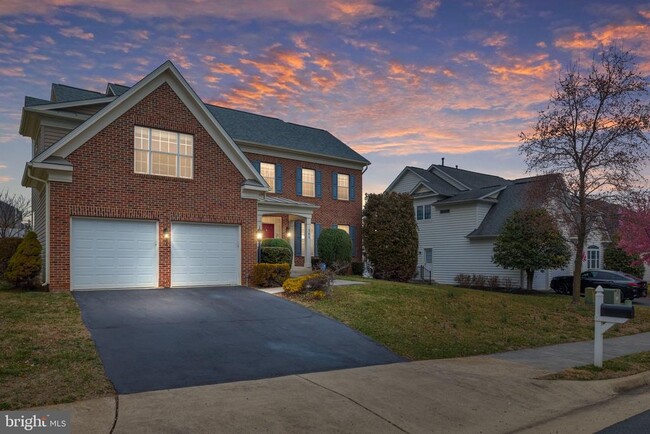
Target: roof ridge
465,170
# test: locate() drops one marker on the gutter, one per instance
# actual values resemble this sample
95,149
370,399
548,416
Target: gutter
47,221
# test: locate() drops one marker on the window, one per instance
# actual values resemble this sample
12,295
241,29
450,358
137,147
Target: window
346,228
267,170
308,182
428,256
423,212
165,153
444,211
419,212
593,257
427,212
303,236
343,186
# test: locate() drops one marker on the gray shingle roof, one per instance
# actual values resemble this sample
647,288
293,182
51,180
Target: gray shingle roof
240,125
509,200
468,195
31,101
435,182
471,179
65,93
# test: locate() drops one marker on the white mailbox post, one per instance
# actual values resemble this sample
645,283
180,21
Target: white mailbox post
605,316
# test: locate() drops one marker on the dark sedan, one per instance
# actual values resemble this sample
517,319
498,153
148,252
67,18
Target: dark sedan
630,286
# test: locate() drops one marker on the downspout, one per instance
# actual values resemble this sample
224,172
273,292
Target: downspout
47,222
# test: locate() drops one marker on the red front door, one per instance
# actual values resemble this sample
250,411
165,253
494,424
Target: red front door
268,230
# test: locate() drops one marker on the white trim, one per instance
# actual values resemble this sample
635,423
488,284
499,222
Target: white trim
400,175
304,156
79,103
422,184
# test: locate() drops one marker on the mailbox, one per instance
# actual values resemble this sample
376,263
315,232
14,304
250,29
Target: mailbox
617,311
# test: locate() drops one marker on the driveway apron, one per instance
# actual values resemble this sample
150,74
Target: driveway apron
170,338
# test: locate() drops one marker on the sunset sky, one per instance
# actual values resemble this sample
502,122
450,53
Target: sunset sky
401,82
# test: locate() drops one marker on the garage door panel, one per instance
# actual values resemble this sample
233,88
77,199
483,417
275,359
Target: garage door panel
110,253
205,254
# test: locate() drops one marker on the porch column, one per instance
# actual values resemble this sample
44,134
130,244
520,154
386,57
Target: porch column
307,243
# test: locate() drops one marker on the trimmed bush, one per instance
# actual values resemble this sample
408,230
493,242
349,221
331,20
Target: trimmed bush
390,236
270,275
357,268
335,247
276,255
318,282
25,264
276,242
8,247
464,280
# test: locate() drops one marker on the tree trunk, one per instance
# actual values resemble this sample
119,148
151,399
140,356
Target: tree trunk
577,270
530,274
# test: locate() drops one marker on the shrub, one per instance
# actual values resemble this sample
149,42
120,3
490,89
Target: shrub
493,282
315,263
357,268
478,280
25,264
464,280
276,242
8,247
270,275
506,282
276,255
335,246
314,282
390,235
618,259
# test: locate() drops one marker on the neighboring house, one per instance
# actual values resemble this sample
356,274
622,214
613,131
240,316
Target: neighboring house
460,213
11,221
147,186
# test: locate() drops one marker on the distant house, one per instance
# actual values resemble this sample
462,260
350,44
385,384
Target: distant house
460,213
11,221
148,186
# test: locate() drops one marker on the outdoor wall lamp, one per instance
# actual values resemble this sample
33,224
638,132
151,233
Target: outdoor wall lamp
259,235
288,234
166,233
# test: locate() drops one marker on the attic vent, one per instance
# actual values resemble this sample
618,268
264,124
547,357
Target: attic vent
444,211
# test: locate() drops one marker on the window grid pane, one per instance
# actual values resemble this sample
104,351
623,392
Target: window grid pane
343,187
158,152
141,162
267,170
163,164
308,182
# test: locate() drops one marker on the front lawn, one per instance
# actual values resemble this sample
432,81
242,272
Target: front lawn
614,368
428,322
47,354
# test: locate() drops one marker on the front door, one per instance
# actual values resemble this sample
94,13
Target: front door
268,230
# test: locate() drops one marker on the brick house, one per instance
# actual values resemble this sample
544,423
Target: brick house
147,186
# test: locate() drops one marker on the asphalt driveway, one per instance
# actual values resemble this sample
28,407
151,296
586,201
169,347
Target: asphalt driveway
169,338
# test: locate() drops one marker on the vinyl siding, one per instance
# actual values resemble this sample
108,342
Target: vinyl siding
49,136
407,183
38,207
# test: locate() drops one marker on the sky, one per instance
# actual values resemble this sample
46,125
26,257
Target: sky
402,82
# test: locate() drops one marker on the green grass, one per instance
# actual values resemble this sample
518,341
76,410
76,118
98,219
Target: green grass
615,368
423,322
47,354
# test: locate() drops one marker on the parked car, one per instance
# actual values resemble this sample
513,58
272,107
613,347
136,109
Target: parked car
630,286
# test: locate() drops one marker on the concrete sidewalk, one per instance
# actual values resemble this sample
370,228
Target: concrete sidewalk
468,395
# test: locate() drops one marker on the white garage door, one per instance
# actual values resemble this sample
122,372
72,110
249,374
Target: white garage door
204,254
113,254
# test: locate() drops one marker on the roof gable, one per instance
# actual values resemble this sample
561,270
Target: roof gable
165,73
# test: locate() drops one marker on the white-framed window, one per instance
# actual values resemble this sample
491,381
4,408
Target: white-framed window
303,236
308,182
267,170
165,153
343,186
593,257
346,228
428,256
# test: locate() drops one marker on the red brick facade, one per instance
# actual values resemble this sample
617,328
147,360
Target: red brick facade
331,211
104,185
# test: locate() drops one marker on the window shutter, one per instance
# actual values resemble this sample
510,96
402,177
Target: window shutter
335,185
318,184
352,187
297,237
299,181
256,165
278,178
353,237
316,235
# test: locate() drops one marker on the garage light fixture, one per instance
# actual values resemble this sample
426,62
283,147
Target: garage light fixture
259,235
166,233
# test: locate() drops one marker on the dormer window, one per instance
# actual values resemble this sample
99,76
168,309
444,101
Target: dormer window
164,153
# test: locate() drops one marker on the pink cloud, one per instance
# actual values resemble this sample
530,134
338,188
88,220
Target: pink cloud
428,8
76,32
12,71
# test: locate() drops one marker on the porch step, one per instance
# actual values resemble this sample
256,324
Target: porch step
299,271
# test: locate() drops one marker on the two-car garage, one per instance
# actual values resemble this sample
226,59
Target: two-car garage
112,253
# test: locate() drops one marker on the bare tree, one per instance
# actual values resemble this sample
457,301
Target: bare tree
593,134
13,209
